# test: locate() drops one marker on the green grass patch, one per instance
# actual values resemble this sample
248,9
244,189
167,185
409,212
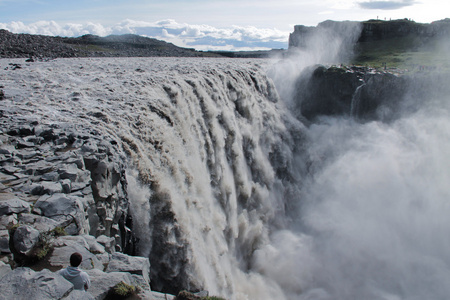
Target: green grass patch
410,53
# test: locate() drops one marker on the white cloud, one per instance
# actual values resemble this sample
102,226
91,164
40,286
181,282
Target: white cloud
200,37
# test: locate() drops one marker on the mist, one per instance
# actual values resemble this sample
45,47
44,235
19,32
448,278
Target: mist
329,43
371,218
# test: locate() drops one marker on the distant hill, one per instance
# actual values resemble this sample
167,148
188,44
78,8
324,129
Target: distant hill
129,45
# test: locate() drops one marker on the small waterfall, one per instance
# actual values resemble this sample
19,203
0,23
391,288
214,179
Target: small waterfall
355,108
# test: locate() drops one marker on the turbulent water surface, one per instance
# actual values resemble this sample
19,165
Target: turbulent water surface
232,194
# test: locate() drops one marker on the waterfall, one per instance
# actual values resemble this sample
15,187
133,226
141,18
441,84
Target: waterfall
356,99
209,147
231,193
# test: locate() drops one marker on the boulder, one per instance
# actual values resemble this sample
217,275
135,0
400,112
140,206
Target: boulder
25,239
4,269
63,207
64,246
7,221
94,246
26,284
43,224
132,264
13,205
102,283
69,171
107,242
4,241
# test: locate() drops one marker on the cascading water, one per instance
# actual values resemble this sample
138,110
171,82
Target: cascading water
232,194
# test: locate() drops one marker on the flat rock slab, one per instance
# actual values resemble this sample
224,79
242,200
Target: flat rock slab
66,245
43,224
26,284
13,205
102,283
79,295
132,264
161,296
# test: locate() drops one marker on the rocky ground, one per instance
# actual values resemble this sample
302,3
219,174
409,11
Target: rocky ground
62,191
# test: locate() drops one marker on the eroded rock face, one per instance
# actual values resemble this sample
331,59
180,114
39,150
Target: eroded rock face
363,93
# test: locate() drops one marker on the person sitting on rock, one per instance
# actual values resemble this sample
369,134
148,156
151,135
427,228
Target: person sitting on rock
78,278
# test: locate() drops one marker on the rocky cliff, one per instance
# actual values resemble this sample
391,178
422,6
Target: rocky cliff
364,93
372,30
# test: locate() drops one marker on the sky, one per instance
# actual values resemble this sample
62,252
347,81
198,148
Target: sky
204,24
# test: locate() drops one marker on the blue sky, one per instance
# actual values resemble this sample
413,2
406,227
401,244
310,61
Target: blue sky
204,24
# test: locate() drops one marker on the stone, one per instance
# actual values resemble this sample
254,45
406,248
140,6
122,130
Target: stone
7,221
41,223
24,283
13,205
108,242
44,187
102,283
4,269
62,207
79,295
68,171
39,168
25,239
132,264
4,241
94,246
5,177
162,296
64,246
51,188
66,185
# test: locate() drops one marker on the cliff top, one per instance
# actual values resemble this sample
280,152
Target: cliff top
399,43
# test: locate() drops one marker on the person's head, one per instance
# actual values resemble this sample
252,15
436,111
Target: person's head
75,259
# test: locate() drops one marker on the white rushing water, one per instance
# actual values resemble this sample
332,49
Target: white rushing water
232,194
